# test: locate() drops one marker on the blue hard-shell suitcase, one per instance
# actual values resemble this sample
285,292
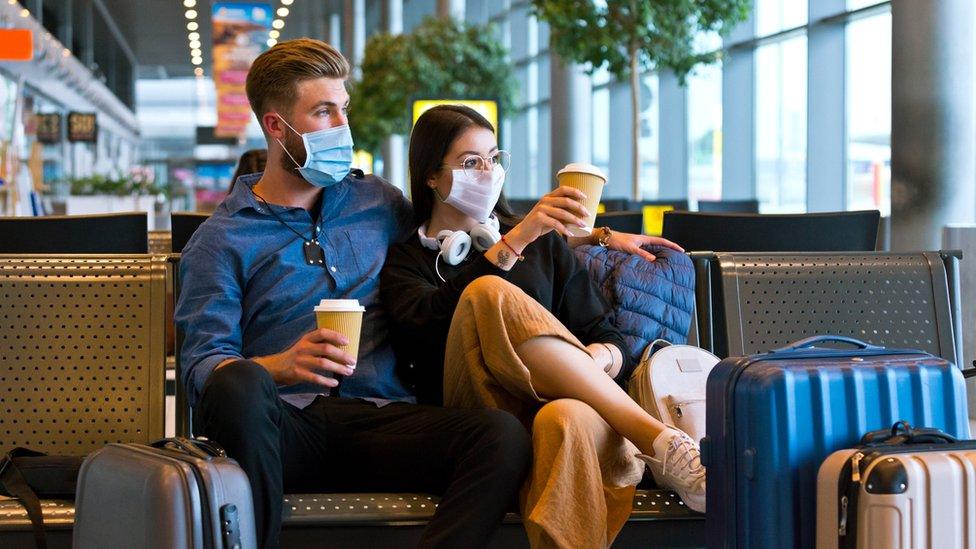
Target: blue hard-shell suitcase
773,418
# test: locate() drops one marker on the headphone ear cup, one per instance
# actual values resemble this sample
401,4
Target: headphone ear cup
484,236
493,223
455,247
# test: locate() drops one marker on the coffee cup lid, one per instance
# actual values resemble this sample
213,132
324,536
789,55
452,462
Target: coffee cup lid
339,305
580,167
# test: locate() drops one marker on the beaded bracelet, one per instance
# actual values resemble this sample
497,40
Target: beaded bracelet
518,256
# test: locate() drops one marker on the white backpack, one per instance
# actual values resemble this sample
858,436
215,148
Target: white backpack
669,383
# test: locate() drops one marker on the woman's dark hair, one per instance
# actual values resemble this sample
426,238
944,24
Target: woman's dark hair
252,161
431,138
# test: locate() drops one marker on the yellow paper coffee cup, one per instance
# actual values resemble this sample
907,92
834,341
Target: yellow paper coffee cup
589,179
344,316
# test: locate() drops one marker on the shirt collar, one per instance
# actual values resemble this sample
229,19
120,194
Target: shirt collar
243,197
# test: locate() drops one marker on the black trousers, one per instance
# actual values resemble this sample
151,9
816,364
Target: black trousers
475,459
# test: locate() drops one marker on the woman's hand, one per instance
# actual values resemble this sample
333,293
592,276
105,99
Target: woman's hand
553,212
631,243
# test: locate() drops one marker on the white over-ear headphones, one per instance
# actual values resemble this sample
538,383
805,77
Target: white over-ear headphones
454,246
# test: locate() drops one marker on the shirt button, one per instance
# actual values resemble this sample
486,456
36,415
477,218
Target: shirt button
333,268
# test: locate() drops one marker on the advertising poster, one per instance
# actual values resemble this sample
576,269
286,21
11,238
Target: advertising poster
240,34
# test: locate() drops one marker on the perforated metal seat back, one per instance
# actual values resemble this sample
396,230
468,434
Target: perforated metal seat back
894,300
81,351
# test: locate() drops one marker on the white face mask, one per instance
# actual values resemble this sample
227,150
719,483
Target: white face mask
475,196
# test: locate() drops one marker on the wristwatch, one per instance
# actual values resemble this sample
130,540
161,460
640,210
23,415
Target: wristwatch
605,234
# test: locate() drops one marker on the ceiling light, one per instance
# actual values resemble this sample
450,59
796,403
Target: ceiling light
194,44
24,12
274,34
286,2
272,42
192,25
282,12
191,14
196,52
277,23
189,3
66,52
197,60
193,36
198,71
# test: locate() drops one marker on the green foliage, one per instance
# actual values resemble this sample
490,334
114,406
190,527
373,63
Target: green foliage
660,33
117,186
442,58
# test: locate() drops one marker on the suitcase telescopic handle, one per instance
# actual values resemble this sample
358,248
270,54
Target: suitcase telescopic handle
203,449
812,341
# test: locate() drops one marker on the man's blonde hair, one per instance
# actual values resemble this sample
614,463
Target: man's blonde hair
272,81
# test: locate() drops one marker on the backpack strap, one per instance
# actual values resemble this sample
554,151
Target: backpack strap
12,481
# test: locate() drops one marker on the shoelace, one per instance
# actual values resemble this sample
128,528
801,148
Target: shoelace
682,454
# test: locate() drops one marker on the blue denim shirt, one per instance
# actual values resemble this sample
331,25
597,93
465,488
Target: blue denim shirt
247,290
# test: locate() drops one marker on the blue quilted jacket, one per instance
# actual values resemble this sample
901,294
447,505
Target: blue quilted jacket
651,300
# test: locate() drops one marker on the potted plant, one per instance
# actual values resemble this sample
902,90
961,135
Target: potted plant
134,191
442,58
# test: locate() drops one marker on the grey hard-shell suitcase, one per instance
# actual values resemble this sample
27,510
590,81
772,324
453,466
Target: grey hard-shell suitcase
177,493
913,489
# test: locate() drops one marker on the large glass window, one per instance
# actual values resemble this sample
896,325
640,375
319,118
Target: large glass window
858,4
649,144
773,16
601,128
542,144
520,173
705,133
781,125
869,113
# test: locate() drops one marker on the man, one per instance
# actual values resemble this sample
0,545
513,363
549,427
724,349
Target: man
256,367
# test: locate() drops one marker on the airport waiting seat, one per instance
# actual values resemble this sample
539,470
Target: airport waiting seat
677,204
393,519
729,206
615,204
120,233
183,225
81,363
627,222
160,242
816,232
753,302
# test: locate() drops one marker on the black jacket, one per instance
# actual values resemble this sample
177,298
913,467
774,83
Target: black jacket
421,306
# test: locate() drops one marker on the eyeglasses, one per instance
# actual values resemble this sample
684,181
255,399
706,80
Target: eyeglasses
475,165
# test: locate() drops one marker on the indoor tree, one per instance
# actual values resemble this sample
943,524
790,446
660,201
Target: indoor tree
441,59
630,37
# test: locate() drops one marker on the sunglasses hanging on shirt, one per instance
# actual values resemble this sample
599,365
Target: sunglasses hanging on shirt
311,249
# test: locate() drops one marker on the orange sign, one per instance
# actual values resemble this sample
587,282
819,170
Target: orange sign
16,45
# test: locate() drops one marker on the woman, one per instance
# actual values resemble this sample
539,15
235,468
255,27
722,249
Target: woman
518,326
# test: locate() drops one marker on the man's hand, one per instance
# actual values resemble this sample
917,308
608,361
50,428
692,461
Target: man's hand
315,354
631,243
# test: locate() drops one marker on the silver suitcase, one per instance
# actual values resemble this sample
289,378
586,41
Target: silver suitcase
904,495
177,493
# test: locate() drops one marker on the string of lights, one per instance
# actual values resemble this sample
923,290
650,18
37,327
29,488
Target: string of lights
193,28
279,23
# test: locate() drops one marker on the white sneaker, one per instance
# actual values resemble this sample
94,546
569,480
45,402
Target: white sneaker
676,464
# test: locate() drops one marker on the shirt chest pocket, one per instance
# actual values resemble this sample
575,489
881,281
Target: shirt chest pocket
361,252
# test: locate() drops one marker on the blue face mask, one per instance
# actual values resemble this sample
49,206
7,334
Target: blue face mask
328,154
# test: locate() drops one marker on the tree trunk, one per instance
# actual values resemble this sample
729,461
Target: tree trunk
635,125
